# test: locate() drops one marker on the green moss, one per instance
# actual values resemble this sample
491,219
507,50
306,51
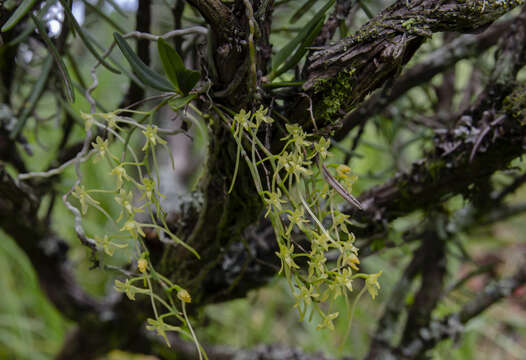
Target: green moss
434,168
515,104
403,190
334,93
408,24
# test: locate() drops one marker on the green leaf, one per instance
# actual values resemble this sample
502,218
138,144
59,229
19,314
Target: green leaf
302,49
182,78
29,28
19,13
285,52
188,79
97,10
143,72
366,9
181,102
117,63
302,11
117,8
22,36
172,62
34,97
66,80
85,38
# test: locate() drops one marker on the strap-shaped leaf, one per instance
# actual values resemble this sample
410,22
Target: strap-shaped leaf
19,13
366,9
103,16
302,49
288,49
172,62
183,79
302,11
34,97
144,73
188,79
111,58
66,80
29,27
117,8
22,36
337,186
85,38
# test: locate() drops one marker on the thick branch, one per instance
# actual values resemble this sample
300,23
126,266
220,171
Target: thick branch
433,64
427,297
228,53
388,323
465,154
218,15
47,253
340,76
442,175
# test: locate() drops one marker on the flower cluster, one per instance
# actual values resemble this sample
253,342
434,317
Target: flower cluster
134,189
304,212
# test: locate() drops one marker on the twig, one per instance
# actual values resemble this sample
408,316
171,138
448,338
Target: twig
519,181
337,186
478,271
85,240
55,171
355,142
311,113
179,32
483,135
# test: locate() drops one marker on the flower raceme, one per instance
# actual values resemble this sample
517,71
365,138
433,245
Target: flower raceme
301,205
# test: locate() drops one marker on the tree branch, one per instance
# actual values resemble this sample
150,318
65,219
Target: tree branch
388,323
218,15
433,64
340,76
454,164
227,52
47,252
452,326
433,271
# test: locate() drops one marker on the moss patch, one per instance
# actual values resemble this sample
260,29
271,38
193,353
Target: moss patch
515,104
334,94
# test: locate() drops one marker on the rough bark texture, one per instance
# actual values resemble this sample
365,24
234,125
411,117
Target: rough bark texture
342,75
